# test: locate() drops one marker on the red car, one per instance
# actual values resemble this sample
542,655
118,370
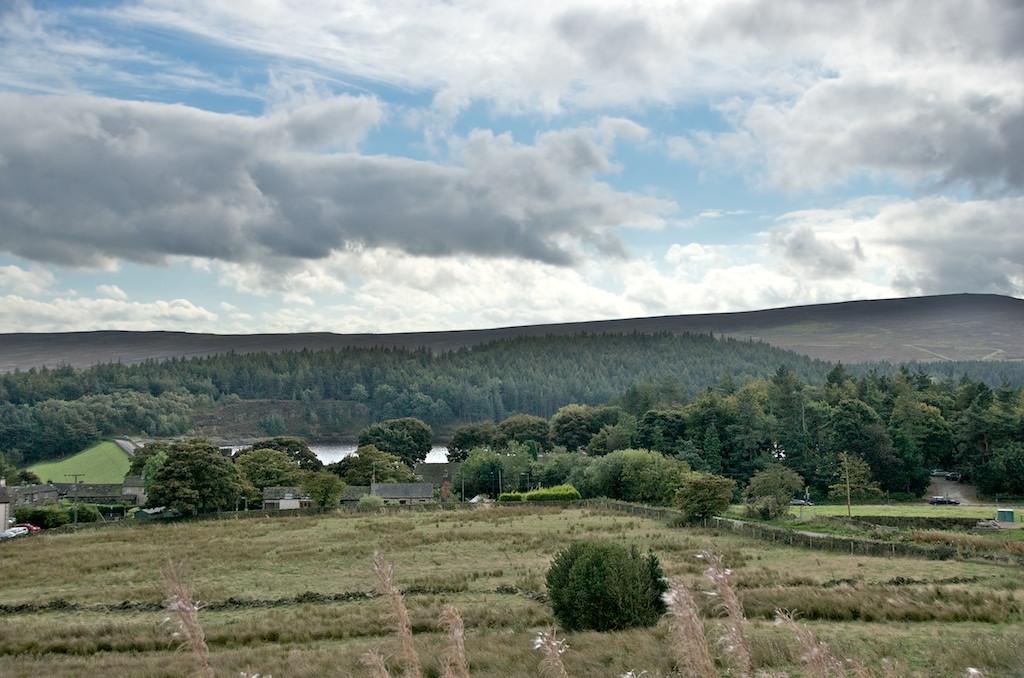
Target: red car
28,526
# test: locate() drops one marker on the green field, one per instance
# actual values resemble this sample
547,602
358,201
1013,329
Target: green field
101,463
908,510
290,596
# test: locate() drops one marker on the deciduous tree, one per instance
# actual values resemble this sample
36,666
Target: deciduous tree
408,438
702,495
368,464
770,491
196,478
323,487
269,468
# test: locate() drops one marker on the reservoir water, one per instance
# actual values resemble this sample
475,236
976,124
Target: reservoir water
330,454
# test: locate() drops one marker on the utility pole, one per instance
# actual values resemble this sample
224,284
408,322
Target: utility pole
75,477
846,468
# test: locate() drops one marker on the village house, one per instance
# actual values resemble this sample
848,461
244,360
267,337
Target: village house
18,496
285,498
403,493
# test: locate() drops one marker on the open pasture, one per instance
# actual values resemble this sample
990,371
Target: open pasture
292,596
104,462
921,510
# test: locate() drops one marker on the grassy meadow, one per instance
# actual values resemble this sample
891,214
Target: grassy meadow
102,463
292,596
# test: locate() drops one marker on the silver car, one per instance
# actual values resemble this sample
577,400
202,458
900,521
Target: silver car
14,532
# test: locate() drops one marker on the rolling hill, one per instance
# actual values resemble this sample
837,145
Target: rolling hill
934,328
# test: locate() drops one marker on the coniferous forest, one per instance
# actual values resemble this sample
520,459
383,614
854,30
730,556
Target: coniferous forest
724,405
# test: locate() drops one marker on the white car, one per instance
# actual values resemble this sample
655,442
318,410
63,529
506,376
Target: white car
14,532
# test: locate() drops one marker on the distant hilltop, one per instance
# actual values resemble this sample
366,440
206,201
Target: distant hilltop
933,328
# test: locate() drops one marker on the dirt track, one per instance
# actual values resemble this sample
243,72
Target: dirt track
962,492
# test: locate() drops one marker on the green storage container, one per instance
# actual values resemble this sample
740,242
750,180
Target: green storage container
1004,515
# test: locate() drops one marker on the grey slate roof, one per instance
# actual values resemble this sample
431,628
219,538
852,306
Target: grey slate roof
403,490
278,493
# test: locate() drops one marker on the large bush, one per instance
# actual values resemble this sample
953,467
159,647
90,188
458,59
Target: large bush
557,493
702,495
604,586
45,517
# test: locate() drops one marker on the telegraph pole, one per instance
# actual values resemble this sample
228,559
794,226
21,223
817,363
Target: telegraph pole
75,477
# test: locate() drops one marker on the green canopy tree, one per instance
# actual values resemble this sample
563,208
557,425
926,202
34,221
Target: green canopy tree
370,464
524,428
769,492
630,475
408,438
573,425
297,450
853,481
323,487
702,495
269,468
469,437
196,478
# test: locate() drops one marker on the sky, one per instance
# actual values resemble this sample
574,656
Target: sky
252,166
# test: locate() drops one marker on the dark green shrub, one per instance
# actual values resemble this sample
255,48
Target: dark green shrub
557,493
87,513
511,496
604,586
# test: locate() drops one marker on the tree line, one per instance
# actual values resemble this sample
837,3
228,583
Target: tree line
720,405
900,427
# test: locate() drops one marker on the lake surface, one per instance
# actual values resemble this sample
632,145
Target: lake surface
330,454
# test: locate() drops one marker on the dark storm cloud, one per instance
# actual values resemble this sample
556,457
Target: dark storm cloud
84,181
818,258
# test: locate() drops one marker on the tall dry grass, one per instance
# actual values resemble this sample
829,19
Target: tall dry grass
385,572
180,601
703,648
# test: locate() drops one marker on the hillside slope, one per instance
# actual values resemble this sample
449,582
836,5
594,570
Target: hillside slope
948,327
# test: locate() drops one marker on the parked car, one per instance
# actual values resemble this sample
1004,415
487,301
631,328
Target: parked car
13,532
954,476
28,526
943,500
800,502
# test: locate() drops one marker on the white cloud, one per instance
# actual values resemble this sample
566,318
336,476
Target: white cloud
25,282
933,245
68,314
112,292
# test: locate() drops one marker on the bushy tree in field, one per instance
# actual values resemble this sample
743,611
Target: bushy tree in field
605,586
196,478
702,495
769,492
408,438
